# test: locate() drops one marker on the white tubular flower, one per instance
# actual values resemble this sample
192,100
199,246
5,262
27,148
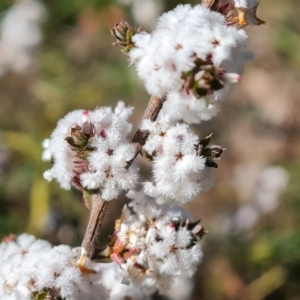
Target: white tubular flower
90,151
32,269
179,170
19,34
156,246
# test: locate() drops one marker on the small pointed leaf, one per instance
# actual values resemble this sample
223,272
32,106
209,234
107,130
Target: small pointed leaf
211,164
203,143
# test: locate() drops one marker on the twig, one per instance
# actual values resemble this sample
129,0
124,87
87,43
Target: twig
98,210
99,206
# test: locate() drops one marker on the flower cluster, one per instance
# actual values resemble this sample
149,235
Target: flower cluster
12,253
19,34
193,57
179,170
33,269
156,246
90,151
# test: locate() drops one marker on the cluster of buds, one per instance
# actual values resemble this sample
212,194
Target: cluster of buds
81,137
205,78
80,143
123,34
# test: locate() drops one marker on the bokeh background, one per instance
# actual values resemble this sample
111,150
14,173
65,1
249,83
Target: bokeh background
63,60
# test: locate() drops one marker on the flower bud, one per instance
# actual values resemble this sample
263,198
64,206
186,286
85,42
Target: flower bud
123,34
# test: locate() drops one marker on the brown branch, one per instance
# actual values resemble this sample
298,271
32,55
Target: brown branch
99,206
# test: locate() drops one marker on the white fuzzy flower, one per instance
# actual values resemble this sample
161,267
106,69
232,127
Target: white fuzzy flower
13,253
179,172
189,109
30,268
193,57
165,248
90,150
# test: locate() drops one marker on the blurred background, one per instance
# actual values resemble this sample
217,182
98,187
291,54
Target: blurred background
56,56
